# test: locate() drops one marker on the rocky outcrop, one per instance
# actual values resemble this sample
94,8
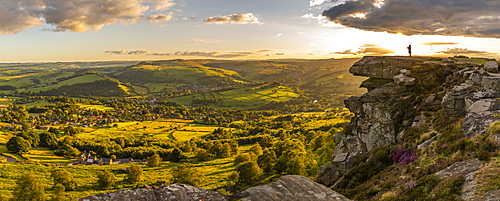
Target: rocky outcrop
380,115
292,187
463,167
289,187
383,67
467,168
476,99
492,195
491,66
396,87
177,192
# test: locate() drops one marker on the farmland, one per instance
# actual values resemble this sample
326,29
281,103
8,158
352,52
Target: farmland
206,113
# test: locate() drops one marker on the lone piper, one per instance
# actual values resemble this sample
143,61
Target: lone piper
409,49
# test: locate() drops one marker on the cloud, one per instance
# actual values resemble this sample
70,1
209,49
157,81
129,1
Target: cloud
368,49
440,43
478,18
136,52
78,15
125,52
322,20
160,17
16,16
247,18
162,5
467,52
212,54
200,41
316,2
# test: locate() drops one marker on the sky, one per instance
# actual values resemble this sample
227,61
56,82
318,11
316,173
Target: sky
106,30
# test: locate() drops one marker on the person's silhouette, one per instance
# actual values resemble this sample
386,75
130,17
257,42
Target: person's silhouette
409,49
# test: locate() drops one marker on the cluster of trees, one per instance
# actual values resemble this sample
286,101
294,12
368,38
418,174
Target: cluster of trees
30,188
287,144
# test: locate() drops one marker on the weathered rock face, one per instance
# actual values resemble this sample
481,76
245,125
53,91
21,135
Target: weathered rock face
463,167
466,168
383,67
476,99
491,66
181,192
392,104
379,113
292,187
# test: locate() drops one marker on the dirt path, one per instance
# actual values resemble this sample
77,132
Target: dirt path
9,159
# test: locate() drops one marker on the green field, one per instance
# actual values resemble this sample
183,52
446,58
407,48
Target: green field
242,98
45,155
181,130
4,102
193,131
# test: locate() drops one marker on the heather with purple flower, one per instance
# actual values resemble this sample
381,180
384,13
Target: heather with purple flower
410,185
404,156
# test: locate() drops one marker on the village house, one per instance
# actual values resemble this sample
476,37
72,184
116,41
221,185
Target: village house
105,161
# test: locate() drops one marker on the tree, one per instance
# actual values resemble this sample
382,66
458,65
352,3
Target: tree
154,160
48,139
28,188
267,160
176,155
63,177
234,147
256,149
134,173
225,151
32,137
202,154
242,158
18,145
58,193
106,179
249,172
187,174
293,158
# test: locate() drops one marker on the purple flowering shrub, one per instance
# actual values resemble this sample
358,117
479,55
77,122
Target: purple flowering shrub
404,156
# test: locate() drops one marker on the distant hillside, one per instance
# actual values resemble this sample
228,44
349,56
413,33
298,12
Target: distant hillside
176,75
218,83
72,83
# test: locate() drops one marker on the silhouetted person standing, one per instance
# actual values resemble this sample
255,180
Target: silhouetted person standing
409,49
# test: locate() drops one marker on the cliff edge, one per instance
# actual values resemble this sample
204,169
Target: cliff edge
410,101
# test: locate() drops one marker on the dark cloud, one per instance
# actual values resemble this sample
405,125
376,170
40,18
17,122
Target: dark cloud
247,18
78,15
440,43
367,49
478,18
467,52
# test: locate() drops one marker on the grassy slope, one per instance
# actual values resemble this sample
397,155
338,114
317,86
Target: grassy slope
242,98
